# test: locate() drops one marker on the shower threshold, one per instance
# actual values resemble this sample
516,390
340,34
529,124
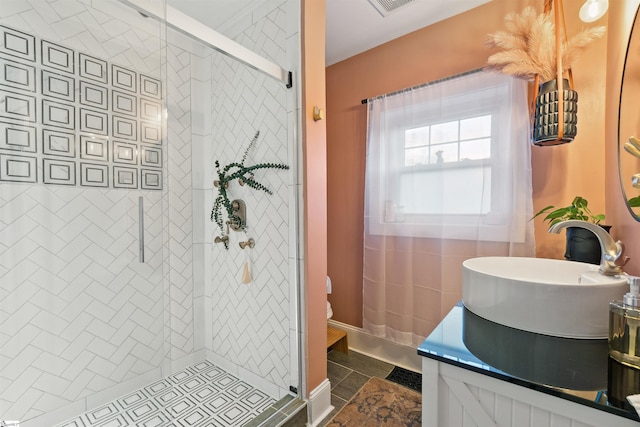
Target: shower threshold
202,395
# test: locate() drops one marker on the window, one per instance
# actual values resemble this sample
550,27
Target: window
447,160
457,150
453,141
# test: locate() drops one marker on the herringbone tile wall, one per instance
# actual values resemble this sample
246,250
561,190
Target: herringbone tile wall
251,323
80,314
179,196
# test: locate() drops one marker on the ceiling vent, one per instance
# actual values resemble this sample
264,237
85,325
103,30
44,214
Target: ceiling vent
385,7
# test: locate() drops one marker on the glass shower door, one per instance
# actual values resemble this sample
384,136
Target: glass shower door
81,168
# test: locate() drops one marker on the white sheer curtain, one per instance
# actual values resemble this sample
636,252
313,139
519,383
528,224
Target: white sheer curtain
448,177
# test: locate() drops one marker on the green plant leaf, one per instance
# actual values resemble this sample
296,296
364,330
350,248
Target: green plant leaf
542,211
579,202
578,209
245,173
559,213
634,202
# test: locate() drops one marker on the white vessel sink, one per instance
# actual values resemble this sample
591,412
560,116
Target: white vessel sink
546,296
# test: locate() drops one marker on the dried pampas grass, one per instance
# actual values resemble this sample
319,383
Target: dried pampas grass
576,44
528,46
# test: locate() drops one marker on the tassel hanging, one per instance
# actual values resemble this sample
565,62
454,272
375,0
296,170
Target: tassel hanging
246,274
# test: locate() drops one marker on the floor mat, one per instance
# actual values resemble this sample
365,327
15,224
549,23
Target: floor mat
407,378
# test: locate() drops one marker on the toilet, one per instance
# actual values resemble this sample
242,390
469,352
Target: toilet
329,310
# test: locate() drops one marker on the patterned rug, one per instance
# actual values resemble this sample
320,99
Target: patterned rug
381,403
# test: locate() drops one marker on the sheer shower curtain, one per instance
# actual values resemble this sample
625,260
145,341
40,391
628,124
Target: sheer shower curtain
448,178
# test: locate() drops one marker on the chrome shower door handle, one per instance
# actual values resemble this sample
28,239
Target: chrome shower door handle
141,229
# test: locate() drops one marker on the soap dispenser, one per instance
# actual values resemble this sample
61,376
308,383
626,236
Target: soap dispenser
624,346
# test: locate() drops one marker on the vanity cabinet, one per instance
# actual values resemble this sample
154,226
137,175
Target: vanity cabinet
539,381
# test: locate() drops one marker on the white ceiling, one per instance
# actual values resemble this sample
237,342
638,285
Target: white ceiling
353,26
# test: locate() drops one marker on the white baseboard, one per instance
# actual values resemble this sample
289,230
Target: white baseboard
319,403
379,348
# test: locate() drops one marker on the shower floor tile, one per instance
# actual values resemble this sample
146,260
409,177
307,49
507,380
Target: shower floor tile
202,395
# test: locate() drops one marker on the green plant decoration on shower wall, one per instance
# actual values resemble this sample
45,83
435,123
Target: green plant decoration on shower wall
244,175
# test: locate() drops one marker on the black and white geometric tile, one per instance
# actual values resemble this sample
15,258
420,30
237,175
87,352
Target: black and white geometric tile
201,395
46,87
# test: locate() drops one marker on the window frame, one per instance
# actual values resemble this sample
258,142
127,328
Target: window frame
490,225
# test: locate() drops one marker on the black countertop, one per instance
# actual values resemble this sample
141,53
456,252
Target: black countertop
572,369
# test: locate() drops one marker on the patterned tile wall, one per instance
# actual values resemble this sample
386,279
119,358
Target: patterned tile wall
81,320
68,118
251,322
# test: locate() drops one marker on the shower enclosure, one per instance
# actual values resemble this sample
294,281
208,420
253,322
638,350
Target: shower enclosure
116,305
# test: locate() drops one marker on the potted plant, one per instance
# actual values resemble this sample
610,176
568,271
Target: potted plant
582,245
532,48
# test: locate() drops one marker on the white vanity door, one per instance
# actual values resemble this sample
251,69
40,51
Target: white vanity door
456,397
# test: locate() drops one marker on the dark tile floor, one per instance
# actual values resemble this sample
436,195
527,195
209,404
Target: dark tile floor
347,373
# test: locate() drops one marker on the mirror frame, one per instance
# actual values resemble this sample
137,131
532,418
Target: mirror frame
628,164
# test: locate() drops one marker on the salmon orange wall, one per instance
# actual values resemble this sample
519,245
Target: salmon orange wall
447,48
562,172
314,193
